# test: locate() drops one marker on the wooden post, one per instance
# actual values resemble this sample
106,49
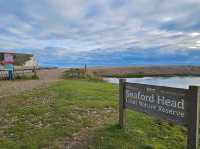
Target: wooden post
85,69
35,71
193,119
13,73
121,103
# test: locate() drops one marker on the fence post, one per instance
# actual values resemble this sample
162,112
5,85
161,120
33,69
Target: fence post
85,68
13,73
193,119
121,103
35,71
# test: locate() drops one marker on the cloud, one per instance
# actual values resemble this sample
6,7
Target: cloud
64,28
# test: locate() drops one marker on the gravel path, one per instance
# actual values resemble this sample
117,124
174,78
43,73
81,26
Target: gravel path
8,88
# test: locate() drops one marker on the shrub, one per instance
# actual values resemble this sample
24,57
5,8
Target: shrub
24,77
75,73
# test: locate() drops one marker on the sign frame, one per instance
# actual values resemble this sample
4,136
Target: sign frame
191,109
8,58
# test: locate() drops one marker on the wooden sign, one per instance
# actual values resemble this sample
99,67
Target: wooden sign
180,106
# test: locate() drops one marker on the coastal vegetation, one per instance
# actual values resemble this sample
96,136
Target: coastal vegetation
82,114
77,73
148,71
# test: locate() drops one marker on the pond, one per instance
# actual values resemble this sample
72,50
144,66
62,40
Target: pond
179,82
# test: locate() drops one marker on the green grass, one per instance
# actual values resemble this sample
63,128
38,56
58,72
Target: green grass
50,117
141,132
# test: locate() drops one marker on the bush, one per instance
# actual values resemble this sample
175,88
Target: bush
76,73
24,77
93,77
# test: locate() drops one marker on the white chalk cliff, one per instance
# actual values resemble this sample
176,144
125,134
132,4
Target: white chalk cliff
31,62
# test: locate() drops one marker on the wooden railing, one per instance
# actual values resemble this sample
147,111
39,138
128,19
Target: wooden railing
18,72
3,74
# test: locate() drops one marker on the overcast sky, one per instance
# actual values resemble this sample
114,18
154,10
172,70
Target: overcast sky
102,32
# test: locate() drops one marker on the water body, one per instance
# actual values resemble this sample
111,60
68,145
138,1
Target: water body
179,82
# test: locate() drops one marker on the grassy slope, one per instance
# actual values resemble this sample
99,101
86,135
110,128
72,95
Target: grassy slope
50,117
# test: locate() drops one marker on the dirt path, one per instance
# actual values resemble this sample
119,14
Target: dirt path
8,88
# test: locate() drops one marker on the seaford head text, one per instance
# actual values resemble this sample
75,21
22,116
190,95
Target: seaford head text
163,102
156,103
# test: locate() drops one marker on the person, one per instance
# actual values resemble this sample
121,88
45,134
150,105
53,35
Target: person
10,68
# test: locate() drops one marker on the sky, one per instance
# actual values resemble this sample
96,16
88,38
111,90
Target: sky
71,33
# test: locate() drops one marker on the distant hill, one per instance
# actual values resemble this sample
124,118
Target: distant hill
19,59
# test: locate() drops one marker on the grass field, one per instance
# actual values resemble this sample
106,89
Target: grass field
80,114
